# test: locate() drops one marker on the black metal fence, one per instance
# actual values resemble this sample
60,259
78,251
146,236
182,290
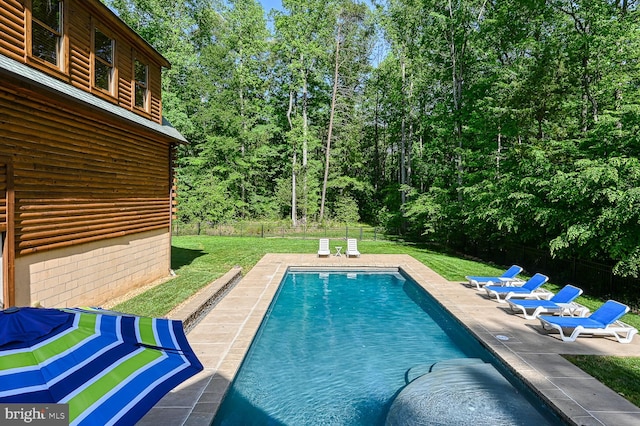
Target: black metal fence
596,279
270,230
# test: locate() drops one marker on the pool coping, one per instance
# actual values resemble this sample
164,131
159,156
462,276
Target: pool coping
223,335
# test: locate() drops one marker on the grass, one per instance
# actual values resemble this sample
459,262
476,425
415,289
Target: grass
199,260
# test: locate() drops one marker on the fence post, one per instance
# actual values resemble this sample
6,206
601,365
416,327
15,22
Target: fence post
262,231
361,233
611,282
198,228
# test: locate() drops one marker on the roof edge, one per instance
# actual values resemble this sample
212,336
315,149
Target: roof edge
110,14
38,78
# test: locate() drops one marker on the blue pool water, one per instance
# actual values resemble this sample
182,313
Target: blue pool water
334,349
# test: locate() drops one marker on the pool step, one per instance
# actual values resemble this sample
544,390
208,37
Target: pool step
462,391
422,369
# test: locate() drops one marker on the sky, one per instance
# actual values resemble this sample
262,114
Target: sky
267,5
271,4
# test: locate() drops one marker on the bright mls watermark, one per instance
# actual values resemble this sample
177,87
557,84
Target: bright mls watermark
34,414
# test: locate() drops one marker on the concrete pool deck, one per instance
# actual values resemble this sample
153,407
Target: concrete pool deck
223,335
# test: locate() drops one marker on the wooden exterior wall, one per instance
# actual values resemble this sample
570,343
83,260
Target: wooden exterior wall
74,172
79,32
3,196
81,18
12,29
78,177
6,224
155,85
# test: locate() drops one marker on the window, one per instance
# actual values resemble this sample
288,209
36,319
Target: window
46,30
103,49
141,71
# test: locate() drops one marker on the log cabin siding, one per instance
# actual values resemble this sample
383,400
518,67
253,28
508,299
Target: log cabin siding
80,179
86,178
80,20
155,87
3,198
12,28
80,47
125,75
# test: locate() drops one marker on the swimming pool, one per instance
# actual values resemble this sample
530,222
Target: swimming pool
334,348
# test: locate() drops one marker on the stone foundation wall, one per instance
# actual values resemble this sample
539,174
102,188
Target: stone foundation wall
91,274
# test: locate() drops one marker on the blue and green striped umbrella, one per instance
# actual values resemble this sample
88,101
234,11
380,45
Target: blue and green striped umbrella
110,368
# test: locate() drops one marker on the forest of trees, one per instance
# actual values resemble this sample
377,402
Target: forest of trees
488,122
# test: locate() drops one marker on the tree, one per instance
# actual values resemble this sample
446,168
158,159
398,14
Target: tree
511,122
352,47
302,34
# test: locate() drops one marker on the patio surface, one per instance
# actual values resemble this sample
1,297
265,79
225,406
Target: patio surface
224,334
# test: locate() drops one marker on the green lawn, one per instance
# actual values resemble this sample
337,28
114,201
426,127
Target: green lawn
199,260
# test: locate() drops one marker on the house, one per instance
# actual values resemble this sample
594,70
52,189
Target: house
86,159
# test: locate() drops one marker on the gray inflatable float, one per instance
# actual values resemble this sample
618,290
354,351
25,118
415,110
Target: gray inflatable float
461,392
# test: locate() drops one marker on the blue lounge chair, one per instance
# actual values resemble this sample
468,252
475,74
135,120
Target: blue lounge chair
529,290
508,277
604,321
561,303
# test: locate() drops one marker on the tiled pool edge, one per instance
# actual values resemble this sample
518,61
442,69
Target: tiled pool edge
544,369
502,353
221,344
